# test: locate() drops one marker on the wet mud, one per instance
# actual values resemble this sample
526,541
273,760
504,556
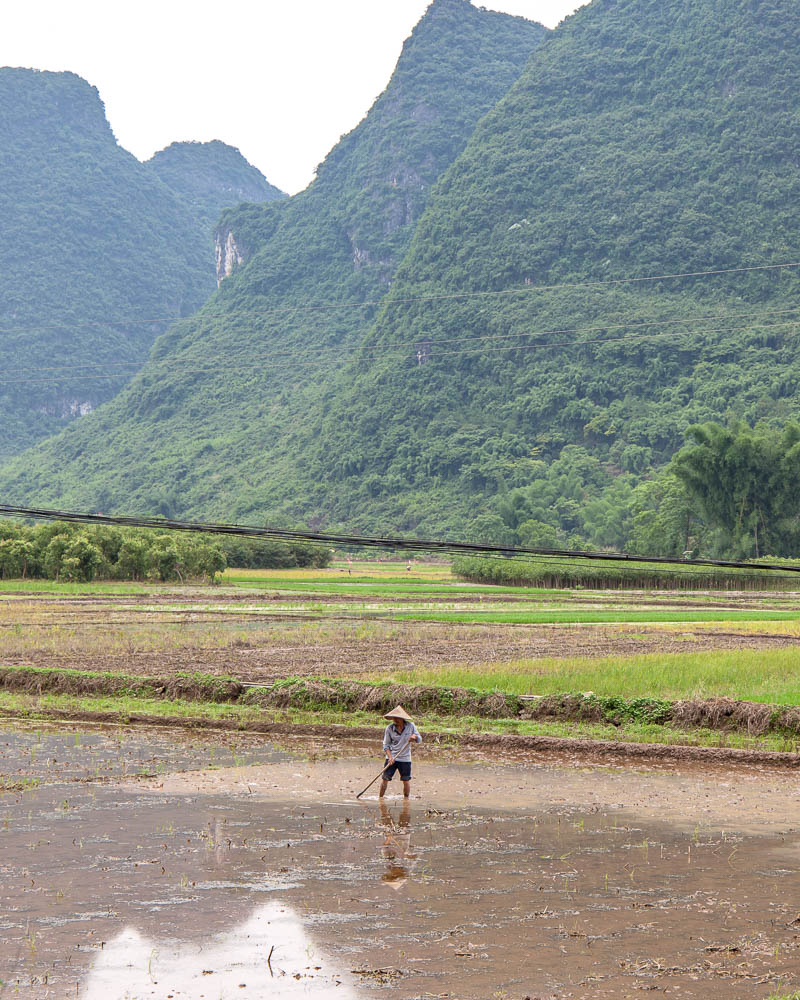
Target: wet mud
569,749
258,874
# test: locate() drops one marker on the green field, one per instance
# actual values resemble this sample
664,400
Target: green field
414,623
556,617
65,587
769,676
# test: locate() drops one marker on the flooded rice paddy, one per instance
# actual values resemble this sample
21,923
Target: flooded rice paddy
140,863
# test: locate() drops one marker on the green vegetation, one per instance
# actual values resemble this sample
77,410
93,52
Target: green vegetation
74,553
553,388
211,176
596,575
37,586
746,483
258,554
229,400
92,243
127,708
770,676
555,616
98,254
368,588
466,267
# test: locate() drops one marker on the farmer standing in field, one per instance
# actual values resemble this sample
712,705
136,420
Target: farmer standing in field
397,739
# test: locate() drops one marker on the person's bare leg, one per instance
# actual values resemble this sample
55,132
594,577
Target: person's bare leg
406,788
384,786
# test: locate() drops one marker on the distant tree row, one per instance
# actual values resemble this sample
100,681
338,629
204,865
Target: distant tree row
730,492
72,552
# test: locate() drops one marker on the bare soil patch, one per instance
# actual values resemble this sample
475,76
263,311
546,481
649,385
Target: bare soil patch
167,631
347,651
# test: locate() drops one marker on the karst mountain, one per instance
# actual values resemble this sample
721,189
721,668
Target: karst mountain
99,252
471,324
197,428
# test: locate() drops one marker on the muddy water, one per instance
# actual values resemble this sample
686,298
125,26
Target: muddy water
265,878
45,753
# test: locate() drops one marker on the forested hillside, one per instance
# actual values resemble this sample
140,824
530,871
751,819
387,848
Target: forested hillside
211,176
97,253
599,269
646,138
229,401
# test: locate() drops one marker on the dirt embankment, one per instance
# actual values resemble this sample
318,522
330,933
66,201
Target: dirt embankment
312,694
554,748
83,683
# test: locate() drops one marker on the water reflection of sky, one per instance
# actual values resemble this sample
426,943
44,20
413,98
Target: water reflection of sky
269,956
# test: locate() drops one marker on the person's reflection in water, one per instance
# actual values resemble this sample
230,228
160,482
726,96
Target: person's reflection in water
397,845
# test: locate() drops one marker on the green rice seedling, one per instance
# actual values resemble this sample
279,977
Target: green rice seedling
556,617
771,676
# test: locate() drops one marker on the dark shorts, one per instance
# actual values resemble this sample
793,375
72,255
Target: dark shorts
403,766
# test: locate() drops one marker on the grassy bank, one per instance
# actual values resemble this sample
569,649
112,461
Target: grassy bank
447,709
127,709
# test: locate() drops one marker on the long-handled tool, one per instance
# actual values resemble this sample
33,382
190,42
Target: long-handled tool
383,769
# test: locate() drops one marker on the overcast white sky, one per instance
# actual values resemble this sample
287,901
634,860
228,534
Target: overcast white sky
280,79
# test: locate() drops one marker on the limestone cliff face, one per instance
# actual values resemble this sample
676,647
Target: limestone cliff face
63,408
229,255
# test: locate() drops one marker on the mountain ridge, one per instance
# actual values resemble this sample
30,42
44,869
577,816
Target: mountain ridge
666,149
211,176
494,367
97,254
192,434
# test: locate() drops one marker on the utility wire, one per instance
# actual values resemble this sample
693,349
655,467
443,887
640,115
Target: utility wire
254,367
387,300
366,541
338,349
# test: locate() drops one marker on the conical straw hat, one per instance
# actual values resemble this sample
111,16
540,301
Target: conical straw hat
398,713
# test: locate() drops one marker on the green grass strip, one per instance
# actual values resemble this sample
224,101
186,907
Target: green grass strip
770,676
54,587
121,710
379,587
592,617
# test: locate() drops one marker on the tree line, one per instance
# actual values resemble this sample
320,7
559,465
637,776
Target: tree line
730,492
59,550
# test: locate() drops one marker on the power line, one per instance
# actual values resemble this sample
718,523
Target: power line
435,296
339,349
367,541
254,367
